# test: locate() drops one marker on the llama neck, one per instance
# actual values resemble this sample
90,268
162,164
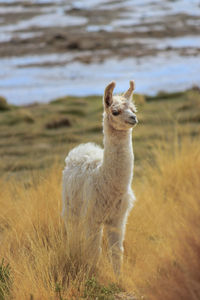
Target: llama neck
117,166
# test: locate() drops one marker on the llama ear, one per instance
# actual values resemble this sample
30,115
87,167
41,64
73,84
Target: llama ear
108,94
129,93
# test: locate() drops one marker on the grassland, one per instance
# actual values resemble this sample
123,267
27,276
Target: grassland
162,242
33,137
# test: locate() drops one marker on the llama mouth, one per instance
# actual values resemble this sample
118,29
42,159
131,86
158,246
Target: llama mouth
133,123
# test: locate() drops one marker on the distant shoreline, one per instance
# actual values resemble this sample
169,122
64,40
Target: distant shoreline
51,49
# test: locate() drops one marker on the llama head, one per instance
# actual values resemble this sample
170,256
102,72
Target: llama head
120,110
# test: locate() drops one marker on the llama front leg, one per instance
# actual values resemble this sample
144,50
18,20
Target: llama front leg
115,236
94,237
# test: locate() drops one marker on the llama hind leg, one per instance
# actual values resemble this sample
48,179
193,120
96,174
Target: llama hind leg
115,236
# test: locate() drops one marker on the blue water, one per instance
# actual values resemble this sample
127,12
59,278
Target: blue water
23,83
151,74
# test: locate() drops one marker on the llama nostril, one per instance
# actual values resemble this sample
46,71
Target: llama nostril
134,118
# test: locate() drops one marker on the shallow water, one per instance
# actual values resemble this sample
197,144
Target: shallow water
55,75
151,74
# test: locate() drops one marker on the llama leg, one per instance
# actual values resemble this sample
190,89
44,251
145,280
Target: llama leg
94,237
115,236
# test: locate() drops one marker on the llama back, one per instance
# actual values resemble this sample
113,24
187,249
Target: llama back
84,156
81,163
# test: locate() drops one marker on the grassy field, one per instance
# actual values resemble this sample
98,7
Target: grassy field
162,242
32,138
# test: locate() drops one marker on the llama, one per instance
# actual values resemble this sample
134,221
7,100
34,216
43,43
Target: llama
97,183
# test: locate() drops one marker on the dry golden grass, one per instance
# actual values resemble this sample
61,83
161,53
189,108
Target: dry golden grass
162,242
162,245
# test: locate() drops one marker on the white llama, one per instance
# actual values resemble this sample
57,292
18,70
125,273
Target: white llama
97,183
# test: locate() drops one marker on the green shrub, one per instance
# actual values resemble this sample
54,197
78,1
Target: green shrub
5,280
93,290
3,104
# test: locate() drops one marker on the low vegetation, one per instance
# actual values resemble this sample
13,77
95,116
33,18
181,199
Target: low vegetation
32,137
3,104
162,244
5,280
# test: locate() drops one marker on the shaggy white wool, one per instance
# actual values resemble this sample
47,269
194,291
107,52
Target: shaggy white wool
97,189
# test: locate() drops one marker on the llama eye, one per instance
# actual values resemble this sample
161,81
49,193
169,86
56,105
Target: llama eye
115,112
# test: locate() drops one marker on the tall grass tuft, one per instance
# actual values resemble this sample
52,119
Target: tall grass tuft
5,280
162,245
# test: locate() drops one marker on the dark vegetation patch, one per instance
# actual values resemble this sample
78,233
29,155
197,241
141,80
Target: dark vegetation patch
193,118
54,124
165,96
76,112
3,104
184,107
